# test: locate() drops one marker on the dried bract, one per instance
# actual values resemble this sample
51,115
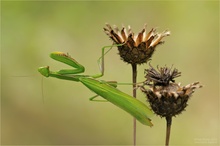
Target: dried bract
166,97
135,49
163,77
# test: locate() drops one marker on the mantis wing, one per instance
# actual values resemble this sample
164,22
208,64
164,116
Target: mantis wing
126,102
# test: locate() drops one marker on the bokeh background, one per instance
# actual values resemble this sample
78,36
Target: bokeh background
47,111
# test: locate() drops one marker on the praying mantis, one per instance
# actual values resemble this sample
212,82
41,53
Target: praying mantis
105,89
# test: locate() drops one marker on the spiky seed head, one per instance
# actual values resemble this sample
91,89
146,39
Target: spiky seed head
166,97
137,49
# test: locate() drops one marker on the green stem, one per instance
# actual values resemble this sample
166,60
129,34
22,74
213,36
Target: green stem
134,80
169,122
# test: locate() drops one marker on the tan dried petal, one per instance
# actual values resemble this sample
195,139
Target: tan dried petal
151,33
139,38
159,38
123,34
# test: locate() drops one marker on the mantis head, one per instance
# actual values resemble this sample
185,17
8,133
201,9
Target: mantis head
44,71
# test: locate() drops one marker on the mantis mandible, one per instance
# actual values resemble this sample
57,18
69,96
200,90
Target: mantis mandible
105,89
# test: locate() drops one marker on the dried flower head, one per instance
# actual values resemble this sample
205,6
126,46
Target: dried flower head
166,97
135,49
163,77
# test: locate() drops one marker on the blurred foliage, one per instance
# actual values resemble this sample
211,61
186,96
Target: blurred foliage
36,110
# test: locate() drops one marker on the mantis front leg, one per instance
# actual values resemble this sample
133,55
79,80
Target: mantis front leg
66,74
71,74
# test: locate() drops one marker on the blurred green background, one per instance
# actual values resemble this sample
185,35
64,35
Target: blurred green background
48,111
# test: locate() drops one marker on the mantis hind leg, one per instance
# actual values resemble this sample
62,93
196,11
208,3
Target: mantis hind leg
92,99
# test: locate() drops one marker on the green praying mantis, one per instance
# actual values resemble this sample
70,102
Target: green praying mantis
105,89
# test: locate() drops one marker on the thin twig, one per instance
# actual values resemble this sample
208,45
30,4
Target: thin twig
169,122
134,80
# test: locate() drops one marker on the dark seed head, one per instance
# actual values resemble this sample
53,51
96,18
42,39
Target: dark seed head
166,97
136,49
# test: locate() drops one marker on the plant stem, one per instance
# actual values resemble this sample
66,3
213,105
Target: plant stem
134,80
169,122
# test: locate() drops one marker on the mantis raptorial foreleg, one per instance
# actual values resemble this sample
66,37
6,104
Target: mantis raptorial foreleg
71,74
105,89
